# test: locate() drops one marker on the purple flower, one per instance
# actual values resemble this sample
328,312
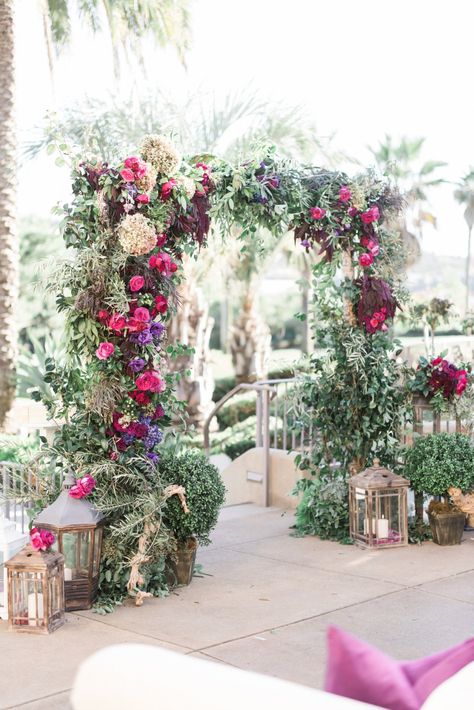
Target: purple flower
137,364
144,420
143,338
154,458
305,243
154,437
157,329
128,438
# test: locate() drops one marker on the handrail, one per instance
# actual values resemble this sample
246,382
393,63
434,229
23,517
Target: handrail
256,386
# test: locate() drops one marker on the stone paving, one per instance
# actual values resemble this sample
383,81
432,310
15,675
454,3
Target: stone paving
263,602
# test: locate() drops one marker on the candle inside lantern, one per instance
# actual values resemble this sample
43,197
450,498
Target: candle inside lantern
67,574
34,611
382,528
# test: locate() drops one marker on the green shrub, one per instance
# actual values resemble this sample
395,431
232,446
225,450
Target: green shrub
236,412
222,386
236,448
205,494
324,507
436,462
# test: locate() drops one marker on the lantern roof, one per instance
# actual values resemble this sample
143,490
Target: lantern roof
28,557
67,511
378,476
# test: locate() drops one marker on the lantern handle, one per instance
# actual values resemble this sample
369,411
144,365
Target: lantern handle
376,463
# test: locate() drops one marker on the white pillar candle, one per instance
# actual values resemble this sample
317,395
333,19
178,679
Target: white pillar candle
67,574
382,528
366,527
33,612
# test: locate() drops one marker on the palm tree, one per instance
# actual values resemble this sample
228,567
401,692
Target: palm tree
464,194
9,249
402,163
128,23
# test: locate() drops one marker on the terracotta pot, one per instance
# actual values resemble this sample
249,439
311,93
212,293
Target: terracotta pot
181,564
447,528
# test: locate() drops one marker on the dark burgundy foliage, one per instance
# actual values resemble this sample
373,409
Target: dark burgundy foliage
375,297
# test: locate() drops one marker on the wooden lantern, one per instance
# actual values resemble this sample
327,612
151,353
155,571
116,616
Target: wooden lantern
78,528
427,421
378,508
11,542
35,591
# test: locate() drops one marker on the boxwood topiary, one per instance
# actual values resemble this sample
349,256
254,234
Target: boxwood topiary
438,461
205,494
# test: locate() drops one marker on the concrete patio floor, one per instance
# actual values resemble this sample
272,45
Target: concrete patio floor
263,603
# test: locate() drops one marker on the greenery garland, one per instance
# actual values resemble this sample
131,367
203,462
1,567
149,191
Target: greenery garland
130,225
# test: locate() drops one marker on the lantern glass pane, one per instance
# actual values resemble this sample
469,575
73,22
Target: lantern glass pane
388,516
55,596
2,581
28,599
76,554
97,546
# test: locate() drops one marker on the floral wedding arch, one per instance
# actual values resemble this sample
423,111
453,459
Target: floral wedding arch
129,226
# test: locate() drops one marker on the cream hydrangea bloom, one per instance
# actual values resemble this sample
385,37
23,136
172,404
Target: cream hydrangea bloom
136,234
161,153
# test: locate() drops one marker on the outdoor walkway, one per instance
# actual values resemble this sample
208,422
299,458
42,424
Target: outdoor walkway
264,604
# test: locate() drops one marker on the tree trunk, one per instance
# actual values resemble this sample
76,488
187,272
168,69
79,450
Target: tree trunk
192,326
250,342
468,268
9,251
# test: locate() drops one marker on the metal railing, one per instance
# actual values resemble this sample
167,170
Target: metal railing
274,428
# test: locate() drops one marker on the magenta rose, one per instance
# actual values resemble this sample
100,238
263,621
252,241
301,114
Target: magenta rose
117,322
136,283
142,315
370,215
317,212
144,199
150,381
366,259
105,350
344,194
167,189
127,175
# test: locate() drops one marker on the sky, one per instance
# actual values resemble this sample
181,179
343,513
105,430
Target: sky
360,68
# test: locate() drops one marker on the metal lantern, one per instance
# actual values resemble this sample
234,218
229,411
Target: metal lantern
378,508
78,527
35,591
11,542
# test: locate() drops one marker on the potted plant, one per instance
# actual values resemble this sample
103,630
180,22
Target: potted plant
434,464
205,495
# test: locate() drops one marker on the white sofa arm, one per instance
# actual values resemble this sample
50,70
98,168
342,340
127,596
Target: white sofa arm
138,676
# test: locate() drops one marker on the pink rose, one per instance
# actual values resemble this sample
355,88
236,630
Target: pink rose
103,316
167,189
371,215
161,303
366,259
374,323
41,539
127,175
317,212
142,315
82,487
160,240
105,350
344,194
144,199
137,165
136,283
117,322
163,262
150,381
365,241
373,247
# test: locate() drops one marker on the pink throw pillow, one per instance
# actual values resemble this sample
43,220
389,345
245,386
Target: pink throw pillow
359,671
